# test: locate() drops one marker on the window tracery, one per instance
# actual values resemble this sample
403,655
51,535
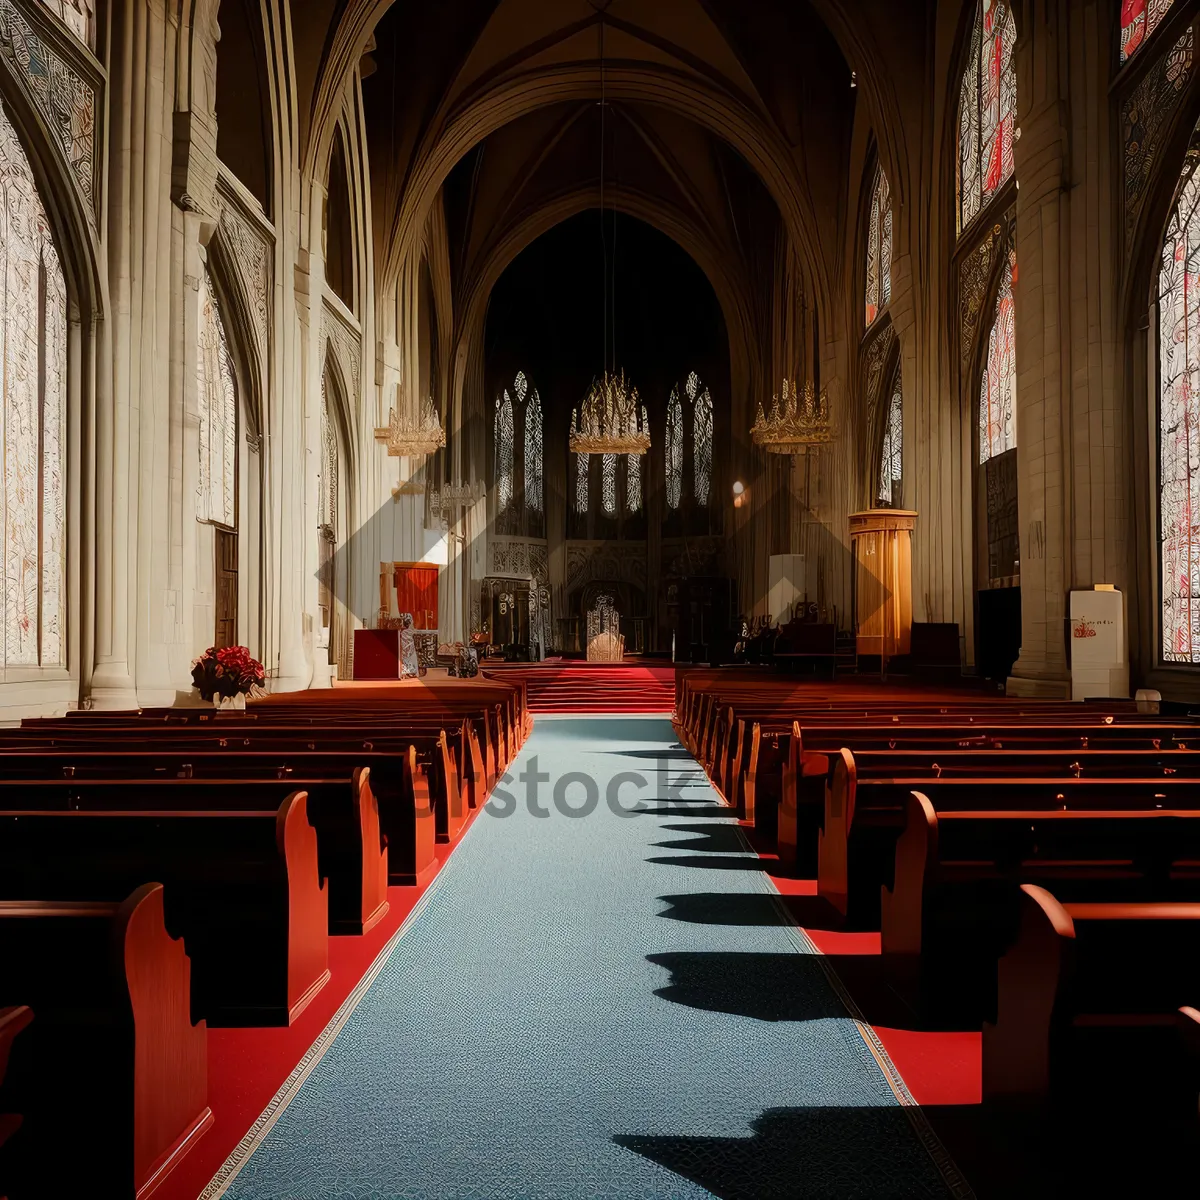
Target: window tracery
702,438
518,451
987,109
1139,20
33,350
890,466
673,450
997,390
216,404
1179,426
879,248
505,483
582,467
691,398
79,16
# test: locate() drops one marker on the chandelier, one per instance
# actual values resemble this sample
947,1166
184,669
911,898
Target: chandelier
798,419
610,420
407,437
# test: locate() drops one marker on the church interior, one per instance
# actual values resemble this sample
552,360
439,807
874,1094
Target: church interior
602,599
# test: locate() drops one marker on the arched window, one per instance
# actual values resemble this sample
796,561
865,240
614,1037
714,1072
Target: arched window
582,467
1139,20
533,450
702,438
33,349
1179,427
518,438
879,247
673,455
694,396
216,403
890,466
505,454
987,108
997,389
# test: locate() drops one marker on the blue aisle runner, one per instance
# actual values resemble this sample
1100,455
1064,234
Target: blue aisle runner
598,1006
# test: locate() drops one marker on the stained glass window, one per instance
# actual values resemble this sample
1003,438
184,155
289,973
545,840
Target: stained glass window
608,484
327,502
893,444
581,483
702,440
997,389
879,247
534,490
1139,19
216,403
33,349
1179,426
987,108
505,484
633,483
674,450
79,16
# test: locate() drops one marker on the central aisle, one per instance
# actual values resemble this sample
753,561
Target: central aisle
596,1006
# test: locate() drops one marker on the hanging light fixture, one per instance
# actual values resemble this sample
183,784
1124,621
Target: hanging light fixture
408,436
611,419
798,419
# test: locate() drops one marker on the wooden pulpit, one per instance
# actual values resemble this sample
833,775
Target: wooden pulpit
882,542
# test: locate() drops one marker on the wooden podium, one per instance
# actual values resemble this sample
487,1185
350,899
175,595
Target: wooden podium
882,541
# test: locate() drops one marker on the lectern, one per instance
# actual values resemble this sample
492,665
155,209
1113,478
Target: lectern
882,541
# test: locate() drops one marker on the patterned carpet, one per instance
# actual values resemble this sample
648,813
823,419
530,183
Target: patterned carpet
568,1014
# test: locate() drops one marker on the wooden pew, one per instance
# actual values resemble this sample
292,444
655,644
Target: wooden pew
864,818
952,909
1089,983
242,888
352,851
112,1077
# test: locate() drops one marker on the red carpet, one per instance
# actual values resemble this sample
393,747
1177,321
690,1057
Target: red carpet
939,1067
583,687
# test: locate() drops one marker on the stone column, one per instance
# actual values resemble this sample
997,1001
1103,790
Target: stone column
1042,316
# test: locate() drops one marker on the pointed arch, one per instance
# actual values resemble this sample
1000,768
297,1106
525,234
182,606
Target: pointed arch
879,247
987,108
340,261
998,379
891,462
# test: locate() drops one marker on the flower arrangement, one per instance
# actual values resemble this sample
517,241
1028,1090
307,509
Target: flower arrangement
227,672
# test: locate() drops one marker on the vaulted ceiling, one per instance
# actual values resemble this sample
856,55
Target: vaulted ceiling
724,127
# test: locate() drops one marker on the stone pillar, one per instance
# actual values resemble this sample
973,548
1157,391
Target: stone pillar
1042,317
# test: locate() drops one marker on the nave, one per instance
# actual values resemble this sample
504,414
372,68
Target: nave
597,1005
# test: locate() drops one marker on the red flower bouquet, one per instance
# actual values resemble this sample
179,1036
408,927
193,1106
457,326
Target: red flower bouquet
230,671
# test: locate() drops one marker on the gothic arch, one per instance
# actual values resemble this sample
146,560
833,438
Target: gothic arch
723,115
878,360
732,293
237,311
71,216
338,398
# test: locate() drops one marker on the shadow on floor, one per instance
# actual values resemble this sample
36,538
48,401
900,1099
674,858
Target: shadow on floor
827,1153
711,862
711,839
700,809
877,1153
768,987
784,987
675,753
